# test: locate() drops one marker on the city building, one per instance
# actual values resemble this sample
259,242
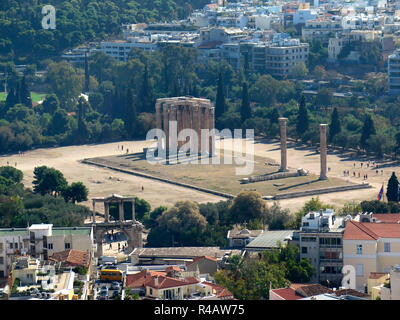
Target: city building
282,57
370,246
321,242
41,241
269,240
394,73
240,238
321,29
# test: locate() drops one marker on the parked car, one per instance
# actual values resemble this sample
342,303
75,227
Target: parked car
115,286
103,295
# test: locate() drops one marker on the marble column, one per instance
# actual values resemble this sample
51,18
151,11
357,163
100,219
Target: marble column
94,211
121,211
159,124
133,210
166,130
106,212
173,117
322,150
206,125
180,124
282,125
211,147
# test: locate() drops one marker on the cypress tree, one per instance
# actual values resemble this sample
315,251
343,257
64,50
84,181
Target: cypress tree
392,192
220,100
302,118
24,93
367,130
245,110
87,76
11,99
130,112
334,127
146,95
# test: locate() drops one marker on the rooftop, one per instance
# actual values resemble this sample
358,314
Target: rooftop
287,293
270,239
370,230
183,252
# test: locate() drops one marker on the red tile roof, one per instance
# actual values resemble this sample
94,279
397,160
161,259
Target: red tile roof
163,282
287,293
201,258
173,268
308,290
350,292
387,218
370,230
138,280
376,275
356,231
221,292
72,257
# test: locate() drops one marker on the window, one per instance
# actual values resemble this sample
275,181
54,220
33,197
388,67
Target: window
359,249
50,246
387,246
67,246
11,245
1,260
359,270
303,249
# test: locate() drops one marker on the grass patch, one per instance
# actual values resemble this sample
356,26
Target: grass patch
222,177
36,97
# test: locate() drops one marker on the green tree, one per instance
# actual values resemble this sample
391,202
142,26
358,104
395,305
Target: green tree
11,173
48,181
367,130
220,103
65,82
245,110
334,127
392,192
50,104
248,206
25,94
76,192
302,118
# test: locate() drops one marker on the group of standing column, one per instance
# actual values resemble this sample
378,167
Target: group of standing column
112,200
323,150
188,113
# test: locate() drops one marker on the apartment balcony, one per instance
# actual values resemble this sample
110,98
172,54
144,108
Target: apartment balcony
333,246
325,260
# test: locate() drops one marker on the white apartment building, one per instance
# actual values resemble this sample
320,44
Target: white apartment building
13,242
283,56
321,242
304,15
321,29
394,73
120,49
41,241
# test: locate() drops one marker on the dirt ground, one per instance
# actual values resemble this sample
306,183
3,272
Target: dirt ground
102,182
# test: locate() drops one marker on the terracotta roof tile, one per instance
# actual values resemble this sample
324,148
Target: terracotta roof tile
370,230
201,258
350,292
163,282
72,257
220,291
377,275
308,290
138,280
387,218
287,293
